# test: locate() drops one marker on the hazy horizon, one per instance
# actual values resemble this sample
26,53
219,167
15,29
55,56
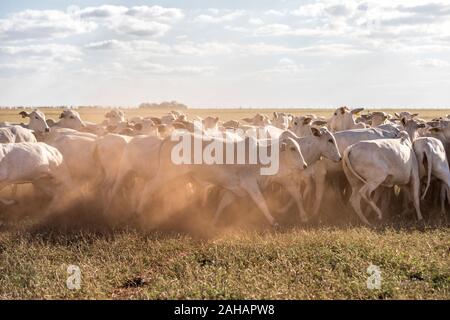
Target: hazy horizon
229,54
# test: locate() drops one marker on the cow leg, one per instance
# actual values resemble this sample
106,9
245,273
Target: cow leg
442,197
366,192
227,198
319,182
207,189
415,188
355,200
294,191
377,195
252,188
355,196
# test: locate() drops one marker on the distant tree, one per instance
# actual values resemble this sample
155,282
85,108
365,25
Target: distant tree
163,105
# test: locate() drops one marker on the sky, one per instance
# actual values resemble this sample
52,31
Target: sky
226,53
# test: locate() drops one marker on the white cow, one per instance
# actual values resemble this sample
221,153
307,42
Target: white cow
302,125
320,144
259,120
281,120
37,163
433,161
378,118
210,122
158,169
37,121
109,151
344,119
69,119
333,171
79,152
16,133
384,162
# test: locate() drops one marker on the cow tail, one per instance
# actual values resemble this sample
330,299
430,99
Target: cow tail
346,162
427,165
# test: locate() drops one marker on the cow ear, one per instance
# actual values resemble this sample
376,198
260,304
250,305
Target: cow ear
421,125
24,114
316,132
307,120
357,110
319,123
61,115
403,121
414,115
342,110
275,115
396,114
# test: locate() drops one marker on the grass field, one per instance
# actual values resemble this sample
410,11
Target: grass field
293,263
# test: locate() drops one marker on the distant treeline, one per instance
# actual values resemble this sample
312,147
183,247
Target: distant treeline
163,105
145,105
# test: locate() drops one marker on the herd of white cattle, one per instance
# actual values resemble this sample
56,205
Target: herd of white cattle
376,157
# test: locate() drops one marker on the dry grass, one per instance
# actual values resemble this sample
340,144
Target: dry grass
321,263
296,264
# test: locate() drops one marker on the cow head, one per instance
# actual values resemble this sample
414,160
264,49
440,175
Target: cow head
210,122
37,121
378,118
405,114
115,116
301,126
290,156
281,120
326,143
412,127
71,119
343,119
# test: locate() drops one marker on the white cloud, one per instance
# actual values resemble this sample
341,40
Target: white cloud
137,27
29,59
133,47
35,24
217,17
105,45
276,13
256,21
285,66
160,69
156,12
150,21
101,12
431,63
